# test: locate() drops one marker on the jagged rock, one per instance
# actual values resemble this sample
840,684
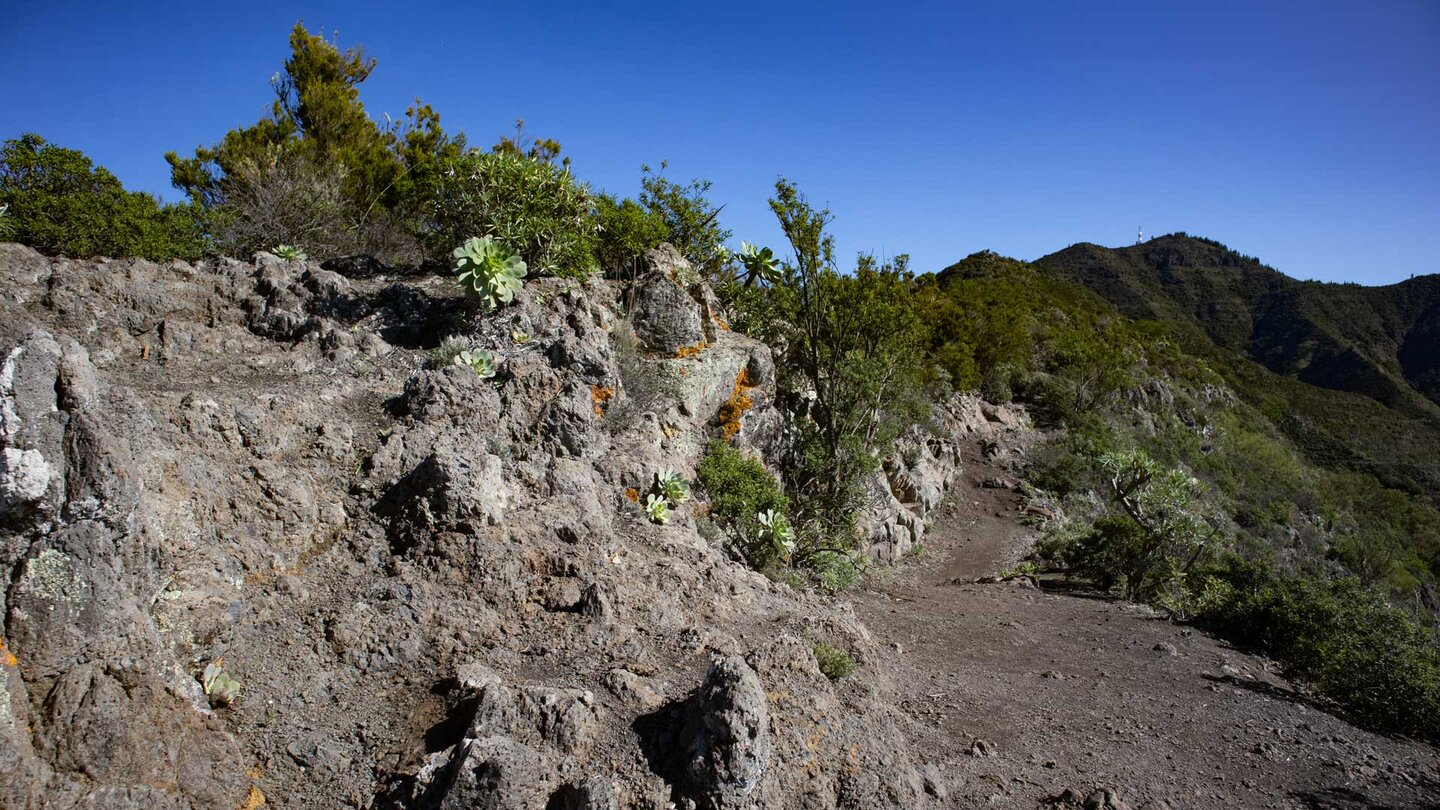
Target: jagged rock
728,746
1104,799
252,464
498,773
664,315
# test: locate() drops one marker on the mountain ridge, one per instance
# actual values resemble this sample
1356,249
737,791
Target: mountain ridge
1382,342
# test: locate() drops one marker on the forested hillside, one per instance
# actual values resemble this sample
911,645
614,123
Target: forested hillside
1382,343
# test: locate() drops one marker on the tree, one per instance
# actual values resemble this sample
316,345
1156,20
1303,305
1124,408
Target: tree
318,127
855,349
60,202
1160,537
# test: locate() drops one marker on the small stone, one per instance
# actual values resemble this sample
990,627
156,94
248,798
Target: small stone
1165,647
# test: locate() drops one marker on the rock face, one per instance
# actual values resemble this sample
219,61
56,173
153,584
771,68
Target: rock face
728,746
435,590
914,480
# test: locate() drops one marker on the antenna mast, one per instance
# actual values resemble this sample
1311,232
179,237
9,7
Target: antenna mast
1139,235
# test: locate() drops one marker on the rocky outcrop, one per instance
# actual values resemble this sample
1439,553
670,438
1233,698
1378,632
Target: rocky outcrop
434,589
917,475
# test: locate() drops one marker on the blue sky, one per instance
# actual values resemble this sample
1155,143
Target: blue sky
1305,133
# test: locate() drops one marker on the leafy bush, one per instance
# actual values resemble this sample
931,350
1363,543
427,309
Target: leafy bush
488,272
533,208
834,662
858,346
57,201
625,229
691,221
1342,638
318,163
740,489
7,223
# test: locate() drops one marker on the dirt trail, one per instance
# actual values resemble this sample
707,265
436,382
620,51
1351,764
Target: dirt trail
1083,693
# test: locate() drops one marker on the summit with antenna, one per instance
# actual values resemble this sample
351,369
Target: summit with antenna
1139,235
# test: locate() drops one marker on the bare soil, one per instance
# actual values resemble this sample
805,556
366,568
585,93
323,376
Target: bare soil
1021,692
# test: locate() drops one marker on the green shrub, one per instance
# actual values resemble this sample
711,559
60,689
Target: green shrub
488,272
835,570
691,221
625,230
1344,639
834,662
7,224
740,489
533,208
318,171
1152,537
59,202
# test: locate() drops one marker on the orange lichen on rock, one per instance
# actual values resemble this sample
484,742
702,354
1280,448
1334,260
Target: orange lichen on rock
735,407
253,799
6,657
633,494
720,322
600,395
687,352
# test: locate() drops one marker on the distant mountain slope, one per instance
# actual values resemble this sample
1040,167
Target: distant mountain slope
1381,342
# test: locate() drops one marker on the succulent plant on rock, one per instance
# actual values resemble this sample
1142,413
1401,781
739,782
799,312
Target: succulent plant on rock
672,487
760,264
219,687
657,508
290,253
775,529
482,361
488,272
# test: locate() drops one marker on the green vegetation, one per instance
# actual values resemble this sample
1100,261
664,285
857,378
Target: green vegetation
532,207
318,171
657,508
1346,640
289,253
1254,453
57,201
480,361
672,487
219,687
665,212
488,272
834,662
740,489
760,264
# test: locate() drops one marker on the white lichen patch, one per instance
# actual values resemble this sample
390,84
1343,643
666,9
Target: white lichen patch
24,476
9,419
7,714
51,574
